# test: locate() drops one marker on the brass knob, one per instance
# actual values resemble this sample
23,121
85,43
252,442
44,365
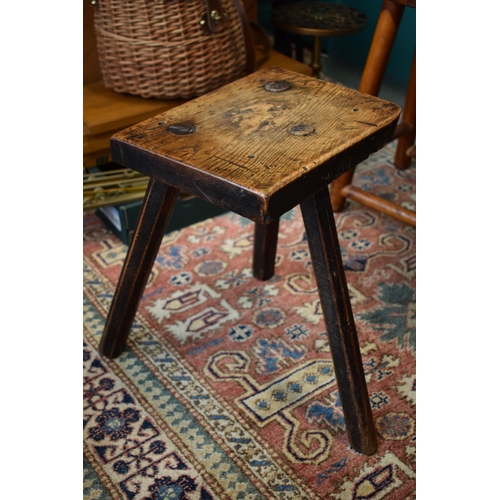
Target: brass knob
215,16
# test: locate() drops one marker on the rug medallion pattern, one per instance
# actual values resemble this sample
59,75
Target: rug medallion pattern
226,389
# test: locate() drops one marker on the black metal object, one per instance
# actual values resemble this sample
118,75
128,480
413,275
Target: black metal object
278,86
182,128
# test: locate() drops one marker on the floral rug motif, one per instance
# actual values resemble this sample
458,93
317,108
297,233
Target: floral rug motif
226,389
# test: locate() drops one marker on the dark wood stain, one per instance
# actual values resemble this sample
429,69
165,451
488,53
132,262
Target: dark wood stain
243,158
245,120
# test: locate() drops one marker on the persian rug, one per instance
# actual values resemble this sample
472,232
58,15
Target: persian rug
226,389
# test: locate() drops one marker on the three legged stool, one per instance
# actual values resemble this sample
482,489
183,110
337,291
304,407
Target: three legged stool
259,147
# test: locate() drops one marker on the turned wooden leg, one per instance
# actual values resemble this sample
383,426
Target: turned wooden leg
339,320
383,39
384,36
401,158
157,208
264,249
337,198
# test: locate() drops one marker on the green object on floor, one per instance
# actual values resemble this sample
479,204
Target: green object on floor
122,219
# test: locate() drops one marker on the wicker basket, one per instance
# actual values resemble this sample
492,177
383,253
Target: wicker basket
164,49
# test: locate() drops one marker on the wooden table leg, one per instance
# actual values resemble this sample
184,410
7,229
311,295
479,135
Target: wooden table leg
316,59
264,249
157,208
334,295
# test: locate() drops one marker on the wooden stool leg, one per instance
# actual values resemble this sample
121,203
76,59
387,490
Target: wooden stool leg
401,159
334,295
371,79
157,208
264,249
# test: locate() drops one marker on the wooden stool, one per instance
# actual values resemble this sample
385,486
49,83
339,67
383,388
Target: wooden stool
259,147
317,19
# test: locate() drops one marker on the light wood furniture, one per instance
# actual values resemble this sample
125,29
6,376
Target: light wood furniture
105,112
259,147
371,81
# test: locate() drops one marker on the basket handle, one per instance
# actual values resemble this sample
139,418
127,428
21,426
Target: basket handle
255,36
262,41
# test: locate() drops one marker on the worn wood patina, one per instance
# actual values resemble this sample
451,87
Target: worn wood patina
256,149
259,147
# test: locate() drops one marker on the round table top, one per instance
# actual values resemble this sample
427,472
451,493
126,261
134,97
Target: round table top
318,19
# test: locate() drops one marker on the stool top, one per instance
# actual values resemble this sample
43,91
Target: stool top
260,145
318,19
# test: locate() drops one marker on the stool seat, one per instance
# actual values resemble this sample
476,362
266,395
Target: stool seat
262,144
258,147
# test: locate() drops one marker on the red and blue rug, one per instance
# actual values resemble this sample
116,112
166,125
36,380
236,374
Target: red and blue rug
226,389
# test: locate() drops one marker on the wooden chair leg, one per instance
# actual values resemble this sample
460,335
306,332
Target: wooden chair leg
341,330
385,33
401,158
264,249
384,36
157,208
337,198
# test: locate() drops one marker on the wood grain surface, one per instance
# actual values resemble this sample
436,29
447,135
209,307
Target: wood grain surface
255,152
